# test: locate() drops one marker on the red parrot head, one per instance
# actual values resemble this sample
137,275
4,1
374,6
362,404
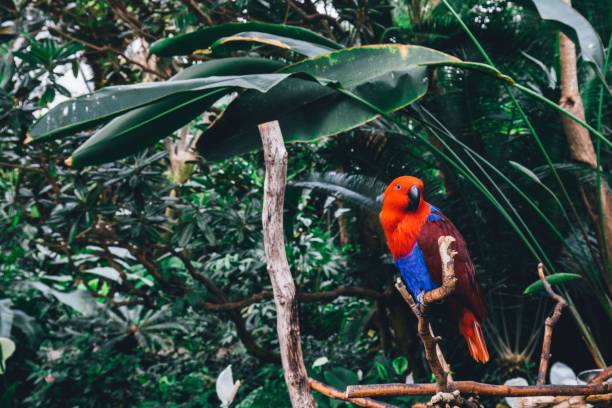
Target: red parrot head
403,212
403,195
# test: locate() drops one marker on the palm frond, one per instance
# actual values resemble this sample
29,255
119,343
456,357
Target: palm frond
362,191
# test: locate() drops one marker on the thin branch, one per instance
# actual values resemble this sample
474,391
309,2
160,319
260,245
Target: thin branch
332,392
199,13
107,48
21,167
303,297
316,16
245,336
476,388
549,326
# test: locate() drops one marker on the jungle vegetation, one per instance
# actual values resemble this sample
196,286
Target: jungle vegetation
131,255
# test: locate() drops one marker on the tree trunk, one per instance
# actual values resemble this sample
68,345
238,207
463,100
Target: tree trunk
581,147
287,322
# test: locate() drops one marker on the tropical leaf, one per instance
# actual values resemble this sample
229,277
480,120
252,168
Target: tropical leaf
91,110
249,38
340,377
185,44
7,348
554,279
78,300
360,190
388,76
574,25
144,126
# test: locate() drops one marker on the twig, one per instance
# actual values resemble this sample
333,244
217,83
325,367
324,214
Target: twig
303,297
602,377
283,286
217,294
549,326
476,388
199,13
107,48
433,353
332,392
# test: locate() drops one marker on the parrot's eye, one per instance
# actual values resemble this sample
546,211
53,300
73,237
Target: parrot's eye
398,186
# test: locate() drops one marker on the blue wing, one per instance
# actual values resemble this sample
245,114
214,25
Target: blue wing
414,272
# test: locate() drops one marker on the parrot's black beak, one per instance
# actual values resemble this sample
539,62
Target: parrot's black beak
414,197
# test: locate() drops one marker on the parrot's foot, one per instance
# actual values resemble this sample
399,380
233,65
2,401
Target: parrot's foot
444,399
452,400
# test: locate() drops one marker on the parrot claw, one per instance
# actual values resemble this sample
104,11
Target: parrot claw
420,298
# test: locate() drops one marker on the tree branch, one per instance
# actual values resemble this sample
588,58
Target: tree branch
332,392
245,336
303,297
549,326
107,48
199,13
476,388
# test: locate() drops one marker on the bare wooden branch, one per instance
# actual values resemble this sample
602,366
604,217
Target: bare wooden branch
549,326
199,13
433,353
106,48
283,286
476,388
332,392
302,297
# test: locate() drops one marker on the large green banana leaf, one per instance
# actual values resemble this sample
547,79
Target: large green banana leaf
185,44
388,76
144,126
91,110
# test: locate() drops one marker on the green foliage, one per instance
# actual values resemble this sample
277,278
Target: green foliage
554,279
185,44
96,295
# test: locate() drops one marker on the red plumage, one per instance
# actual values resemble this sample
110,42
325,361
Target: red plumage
406,224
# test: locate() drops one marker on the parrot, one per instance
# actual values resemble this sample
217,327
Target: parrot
412,227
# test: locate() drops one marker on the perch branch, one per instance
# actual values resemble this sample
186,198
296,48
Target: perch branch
433,353
332,392
549,326
473,387
283,286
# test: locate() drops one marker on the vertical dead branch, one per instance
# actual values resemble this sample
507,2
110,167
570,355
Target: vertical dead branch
287,322
581,147
549,326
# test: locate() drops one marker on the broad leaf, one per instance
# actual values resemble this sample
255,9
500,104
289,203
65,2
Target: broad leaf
225,387
185,44
575,26
90,110
388,76
247,39
7,348
340,377
79,300
554,279
144,126
363,191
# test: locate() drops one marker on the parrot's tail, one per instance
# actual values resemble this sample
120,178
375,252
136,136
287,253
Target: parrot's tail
471,330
